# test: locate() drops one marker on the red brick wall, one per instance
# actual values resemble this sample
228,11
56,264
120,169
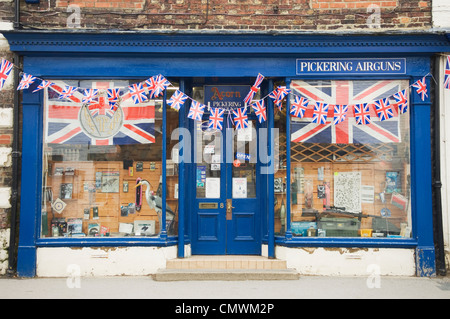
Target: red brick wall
259,15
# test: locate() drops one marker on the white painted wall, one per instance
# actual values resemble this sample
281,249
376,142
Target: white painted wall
444,97
441,13
349,261
105,261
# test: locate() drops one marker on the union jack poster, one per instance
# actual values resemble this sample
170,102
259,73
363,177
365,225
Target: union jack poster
70,121
346,93
447,73
5,70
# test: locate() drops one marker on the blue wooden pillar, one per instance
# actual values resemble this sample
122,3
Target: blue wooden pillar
421,194
181,177
270,172
288,232
31,182
163,233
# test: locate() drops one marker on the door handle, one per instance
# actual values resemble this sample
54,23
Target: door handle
229,209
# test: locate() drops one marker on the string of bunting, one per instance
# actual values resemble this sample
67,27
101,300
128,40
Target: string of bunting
155,86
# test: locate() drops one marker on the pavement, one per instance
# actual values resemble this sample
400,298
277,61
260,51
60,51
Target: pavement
306,287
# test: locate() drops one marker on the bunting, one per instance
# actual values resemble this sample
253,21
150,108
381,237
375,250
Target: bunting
322,112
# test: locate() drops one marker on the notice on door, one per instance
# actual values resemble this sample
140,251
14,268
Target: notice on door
239,187
212,187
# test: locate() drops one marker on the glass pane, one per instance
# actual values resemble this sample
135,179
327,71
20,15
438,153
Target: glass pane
280,169
208,155
350,180
94,156
244,165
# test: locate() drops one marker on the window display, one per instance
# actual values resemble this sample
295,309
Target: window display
105,179
349,177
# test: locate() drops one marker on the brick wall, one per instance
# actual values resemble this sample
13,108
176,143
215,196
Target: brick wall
261,15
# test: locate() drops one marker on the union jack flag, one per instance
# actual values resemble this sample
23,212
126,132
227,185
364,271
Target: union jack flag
383,109
89,95
447,73
102,107
44,84
340,113
156,85
299,106
278,95
254,88
362,114
5,70
63,126
240,118
196,111
260,110
216,118
320,113
137,93
402,101
27,80
67,92
421,87
346,93
177,100
113,95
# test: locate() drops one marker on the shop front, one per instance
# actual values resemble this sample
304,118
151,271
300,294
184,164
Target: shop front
140,148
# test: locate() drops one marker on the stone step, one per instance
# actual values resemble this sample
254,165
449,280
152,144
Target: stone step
225,274
225,268
226,262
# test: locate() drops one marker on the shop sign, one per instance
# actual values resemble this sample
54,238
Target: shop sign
226,96
358,66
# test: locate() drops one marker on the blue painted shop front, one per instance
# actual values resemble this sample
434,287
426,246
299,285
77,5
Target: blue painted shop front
220,220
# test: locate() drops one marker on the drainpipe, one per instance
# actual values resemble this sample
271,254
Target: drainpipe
15,175
16,23
437,184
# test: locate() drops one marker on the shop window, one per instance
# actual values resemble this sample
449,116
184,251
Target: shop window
102,164
349,179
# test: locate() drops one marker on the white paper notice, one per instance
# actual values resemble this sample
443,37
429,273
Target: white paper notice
367,194
212,187
240,187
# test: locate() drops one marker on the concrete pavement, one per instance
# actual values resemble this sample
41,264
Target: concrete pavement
306,287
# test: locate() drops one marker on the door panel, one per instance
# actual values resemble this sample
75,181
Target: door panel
218,182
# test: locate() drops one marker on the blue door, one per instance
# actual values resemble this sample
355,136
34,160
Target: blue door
226,216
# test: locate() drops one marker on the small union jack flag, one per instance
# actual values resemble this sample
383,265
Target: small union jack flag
101,108
5,70
137,93
67,92
177,100
254,88
113,95
299,106
421,88
260,110
447,74
89,95
362,114
27,79
44,84
340,113
156,85
196,111
320,113
216,118
402,101
240,118
278,95
383,109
